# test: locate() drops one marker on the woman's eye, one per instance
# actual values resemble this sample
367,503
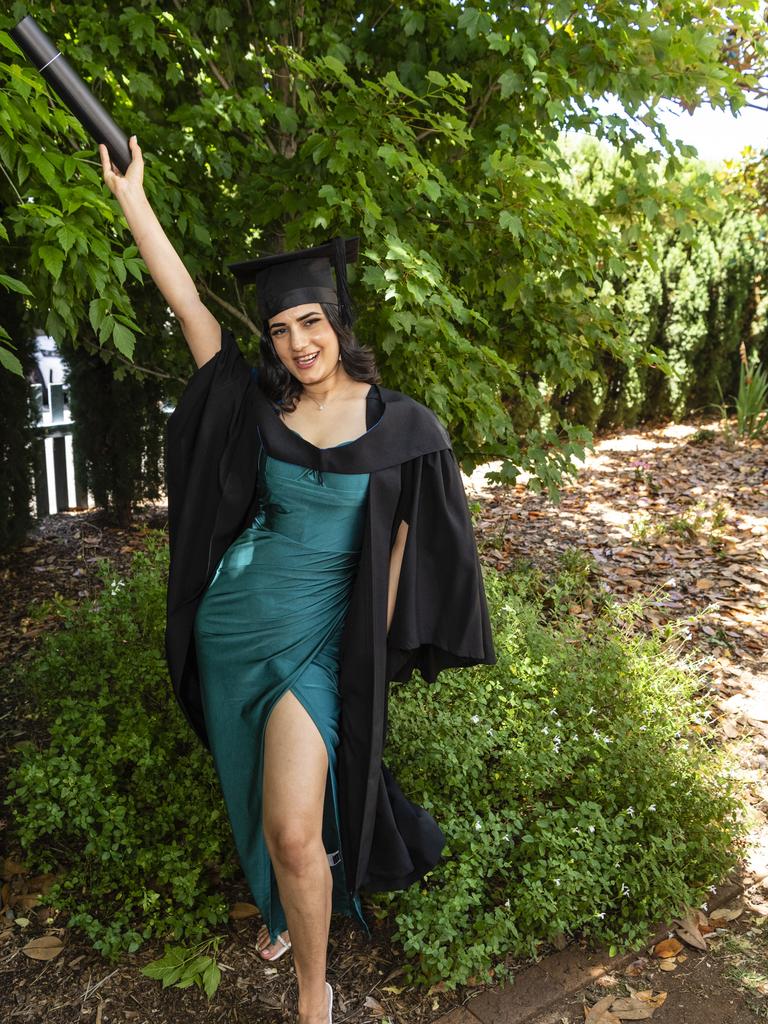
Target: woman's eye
310,323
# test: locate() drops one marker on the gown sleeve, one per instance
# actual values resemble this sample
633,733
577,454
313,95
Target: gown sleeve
441,617
196,439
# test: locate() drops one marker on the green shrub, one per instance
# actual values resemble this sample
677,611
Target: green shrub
574,783
570,779
122,800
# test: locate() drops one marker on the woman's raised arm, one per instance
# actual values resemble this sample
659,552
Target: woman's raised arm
201,328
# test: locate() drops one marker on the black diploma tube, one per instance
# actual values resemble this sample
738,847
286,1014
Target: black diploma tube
69,86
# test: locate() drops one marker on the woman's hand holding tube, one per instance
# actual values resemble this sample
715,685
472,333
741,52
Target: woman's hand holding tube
121,185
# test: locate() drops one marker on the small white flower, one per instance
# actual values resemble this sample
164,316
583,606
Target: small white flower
643,728
591,828
490,732
506,837
553,711
557,881
652,807
575,736
478,826
607,739
506,903
630,810
624,889
600,914
713,888
591,710
545,730
475,719
596,734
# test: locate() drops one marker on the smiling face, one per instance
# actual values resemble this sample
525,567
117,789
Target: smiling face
304,331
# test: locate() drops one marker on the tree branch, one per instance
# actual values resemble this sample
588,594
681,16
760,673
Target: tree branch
147,369
483,104
222,80
233,310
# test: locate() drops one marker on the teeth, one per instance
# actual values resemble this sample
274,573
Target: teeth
306,361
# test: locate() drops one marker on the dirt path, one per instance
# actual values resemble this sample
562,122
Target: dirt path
660,514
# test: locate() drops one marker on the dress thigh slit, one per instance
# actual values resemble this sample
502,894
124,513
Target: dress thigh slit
271,620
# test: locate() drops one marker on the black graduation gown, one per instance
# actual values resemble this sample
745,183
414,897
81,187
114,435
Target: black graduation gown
213,438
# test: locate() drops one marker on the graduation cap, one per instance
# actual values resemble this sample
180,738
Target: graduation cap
293,278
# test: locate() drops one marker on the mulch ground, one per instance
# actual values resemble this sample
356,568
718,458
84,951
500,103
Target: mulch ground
676,516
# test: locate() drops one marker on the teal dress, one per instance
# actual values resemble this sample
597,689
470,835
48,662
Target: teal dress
270,621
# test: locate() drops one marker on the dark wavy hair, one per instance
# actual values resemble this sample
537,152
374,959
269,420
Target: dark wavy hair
280,385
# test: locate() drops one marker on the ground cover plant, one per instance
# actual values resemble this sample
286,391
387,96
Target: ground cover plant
120,801
574,780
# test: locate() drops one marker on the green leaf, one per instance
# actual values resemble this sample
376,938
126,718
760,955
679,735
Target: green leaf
432,188
473,22
334,64
510,83
118,266
67,236
125,340
105,328
13,285
211,979
53,260
511,222
287,119
9,361
97,311
529,58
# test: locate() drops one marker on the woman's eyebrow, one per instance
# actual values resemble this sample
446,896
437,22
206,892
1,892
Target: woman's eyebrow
299,318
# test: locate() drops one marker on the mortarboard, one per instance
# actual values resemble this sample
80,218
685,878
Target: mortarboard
292,278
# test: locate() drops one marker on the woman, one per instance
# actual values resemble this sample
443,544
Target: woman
321,547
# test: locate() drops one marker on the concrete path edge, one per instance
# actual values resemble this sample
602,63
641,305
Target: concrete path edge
544,984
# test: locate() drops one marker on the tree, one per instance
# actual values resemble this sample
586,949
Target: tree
429,129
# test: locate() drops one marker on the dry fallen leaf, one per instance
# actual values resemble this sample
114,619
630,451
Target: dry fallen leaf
632,1008
667,947
725,914
688,930
374,1005
653,999
44,948
599,1013
42,883
668,965
12,867
636,968
240,911
25,901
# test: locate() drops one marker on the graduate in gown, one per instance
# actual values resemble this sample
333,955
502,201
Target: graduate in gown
281,594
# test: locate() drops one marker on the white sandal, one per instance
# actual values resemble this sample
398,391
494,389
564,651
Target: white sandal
330,1003
286,946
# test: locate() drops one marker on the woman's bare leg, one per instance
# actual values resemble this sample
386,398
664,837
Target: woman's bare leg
295,772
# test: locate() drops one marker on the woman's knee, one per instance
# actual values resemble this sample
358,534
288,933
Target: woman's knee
293,844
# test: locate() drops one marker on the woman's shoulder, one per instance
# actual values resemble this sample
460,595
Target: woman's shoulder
407,401
415,414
